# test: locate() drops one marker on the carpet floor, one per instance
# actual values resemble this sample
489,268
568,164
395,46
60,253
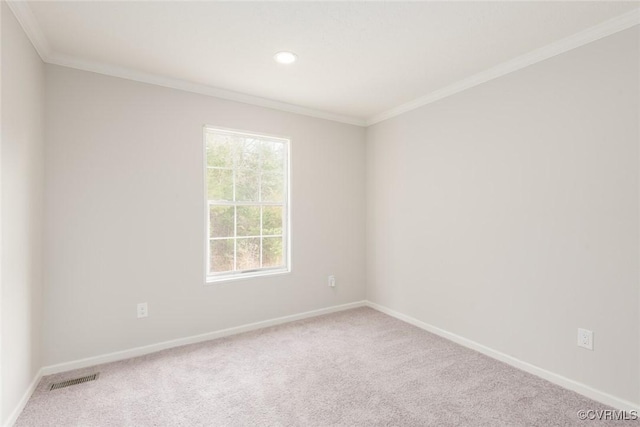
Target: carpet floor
353,368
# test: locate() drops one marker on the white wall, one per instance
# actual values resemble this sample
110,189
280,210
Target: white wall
125,224
508,214
22,204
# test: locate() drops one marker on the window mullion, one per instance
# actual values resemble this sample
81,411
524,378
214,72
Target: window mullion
260,199
249,203
235,214
235,238
246,237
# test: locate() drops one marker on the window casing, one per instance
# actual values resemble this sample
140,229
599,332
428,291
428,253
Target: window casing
247,204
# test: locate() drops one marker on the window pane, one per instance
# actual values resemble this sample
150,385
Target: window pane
272,252
220,150
248,221
272,187
246,185
248,155
221,255
272,156
271,220
219,184
248,255
246,190
221,221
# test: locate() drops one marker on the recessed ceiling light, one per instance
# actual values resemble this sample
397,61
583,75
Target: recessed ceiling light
285,57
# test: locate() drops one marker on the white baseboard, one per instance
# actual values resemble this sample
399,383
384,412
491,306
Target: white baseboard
23,401
567,383
139,351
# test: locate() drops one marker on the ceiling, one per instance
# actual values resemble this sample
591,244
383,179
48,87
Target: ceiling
356,60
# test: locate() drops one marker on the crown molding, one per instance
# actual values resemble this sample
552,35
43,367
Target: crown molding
27,20
29,24
581,38
155,79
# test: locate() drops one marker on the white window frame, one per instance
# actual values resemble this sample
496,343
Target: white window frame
286,226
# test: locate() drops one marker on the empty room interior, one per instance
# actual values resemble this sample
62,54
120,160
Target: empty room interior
319,213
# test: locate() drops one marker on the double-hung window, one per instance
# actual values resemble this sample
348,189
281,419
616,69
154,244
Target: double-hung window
247,197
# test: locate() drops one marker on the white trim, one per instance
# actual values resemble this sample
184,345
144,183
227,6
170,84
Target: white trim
231,131
29,24
567,383
25,398
236,277
139,351
155,79
557,379
581,38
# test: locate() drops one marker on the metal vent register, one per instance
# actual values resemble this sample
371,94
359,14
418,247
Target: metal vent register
74,381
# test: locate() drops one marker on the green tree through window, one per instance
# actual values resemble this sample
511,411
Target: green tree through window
247,203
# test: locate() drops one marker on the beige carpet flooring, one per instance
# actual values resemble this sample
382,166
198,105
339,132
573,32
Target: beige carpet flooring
353,368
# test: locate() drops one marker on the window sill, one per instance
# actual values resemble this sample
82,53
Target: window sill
212,280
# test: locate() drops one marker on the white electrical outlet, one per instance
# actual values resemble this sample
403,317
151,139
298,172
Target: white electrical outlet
332,281
585,339
143,310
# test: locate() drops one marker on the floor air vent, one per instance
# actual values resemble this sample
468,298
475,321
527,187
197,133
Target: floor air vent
74,381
